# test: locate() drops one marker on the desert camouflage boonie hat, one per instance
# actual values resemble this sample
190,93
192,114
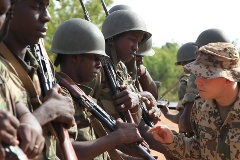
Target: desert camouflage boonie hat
216,60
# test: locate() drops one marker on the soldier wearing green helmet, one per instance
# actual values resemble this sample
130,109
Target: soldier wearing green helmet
79,45
123,31
17,123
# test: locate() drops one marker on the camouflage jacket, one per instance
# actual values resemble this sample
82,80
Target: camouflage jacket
83,119
182,86
10,94
214,139
30,65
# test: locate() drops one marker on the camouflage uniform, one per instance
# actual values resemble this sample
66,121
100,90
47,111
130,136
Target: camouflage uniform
30,65
9,83
182,85
83,120
214,138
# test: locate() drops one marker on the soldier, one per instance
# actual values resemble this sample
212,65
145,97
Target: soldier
134,70
18,126
186,54
214,115
28,25
207,36
122,40
79,45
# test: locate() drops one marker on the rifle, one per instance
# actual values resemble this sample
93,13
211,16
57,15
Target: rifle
113,80
98,112
46,79
14,153
105,8
115,87
86,15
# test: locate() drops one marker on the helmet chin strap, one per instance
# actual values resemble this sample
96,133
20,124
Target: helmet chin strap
113,53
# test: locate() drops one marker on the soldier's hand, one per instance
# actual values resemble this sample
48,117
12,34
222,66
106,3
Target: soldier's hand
8,131
151,105
32,142
162,133
141,70
163,105
125,100
60,107
8,128
127,132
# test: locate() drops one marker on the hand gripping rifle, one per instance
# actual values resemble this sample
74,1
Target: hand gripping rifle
98,112
108,68
46,79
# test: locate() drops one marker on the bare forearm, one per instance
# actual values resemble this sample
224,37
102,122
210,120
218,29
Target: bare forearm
173,117
26,117
43,115
91,149
148,84
137,115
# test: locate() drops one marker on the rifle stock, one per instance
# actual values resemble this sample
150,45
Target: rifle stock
47,83
98,112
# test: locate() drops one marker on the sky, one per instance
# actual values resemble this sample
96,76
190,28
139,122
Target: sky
181,21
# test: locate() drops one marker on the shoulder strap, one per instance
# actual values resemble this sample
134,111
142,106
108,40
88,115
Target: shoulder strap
20,72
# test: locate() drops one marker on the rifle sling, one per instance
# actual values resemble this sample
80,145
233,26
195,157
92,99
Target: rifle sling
99,129
26,80
20,72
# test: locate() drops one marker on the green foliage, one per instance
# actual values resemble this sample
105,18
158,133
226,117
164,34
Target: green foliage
162,68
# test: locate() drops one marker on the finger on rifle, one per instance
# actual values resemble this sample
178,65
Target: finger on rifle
145,100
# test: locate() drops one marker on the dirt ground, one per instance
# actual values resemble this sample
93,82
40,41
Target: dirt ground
171,126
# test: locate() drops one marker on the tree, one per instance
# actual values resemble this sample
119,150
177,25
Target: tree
162,68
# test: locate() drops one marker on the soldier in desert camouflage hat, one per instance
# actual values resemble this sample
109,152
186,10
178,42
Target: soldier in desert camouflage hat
215,114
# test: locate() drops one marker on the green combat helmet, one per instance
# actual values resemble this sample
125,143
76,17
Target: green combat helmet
120,7
146,48
211,36
186,53
78,36
122,21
